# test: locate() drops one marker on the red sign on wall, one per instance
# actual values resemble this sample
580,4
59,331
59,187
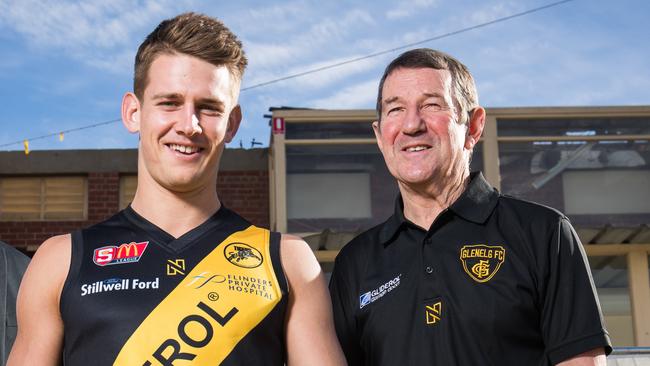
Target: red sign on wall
278,125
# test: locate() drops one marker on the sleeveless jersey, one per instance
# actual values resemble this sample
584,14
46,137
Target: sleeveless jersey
135,295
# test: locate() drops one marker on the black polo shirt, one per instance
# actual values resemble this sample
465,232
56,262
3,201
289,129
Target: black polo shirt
494,281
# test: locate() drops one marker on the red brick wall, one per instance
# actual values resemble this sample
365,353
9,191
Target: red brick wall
246,192
103,198
103,195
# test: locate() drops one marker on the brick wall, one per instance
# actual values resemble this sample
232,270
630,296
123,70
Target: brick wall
246,192
103,197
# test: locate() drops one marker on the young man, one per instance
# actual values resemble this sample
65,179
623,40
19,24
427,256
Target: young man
459,275
176,278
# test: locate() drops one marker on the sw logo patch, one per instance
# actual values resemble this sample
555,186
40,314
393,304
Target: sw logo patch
482,262
433,313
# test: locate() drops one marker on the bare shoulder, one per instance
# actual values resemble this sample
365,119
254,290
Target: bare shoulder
55,250
49,266
310,335
298,260
40,327
292,245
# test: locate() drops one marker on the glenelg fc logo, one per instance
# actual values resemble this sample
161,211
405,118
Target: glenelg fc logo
481,262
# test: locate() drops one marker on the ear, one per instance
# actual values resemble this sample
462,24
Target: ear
233,123
377,129
475,127
131,112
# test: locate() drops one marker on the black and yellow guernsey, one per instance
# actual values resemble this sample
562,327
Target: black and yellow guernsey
135,295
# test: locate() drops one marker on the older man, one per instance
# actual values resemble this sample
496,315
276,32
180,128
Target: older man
459,274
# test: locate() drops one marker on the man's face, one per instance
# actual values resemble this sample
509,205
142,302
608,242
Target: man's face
188,112
419,134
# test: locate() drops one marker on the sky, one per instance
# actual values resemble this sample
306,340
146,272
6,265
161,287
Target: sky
67,64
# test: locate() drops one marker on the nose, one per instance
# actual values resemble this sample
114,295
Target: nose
413,123
189,124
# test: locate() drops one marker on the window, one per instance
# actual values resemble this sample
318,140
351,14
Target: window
618,192
574,126
596,183
329,196
610,274
330,130
128,185
337,187
42,198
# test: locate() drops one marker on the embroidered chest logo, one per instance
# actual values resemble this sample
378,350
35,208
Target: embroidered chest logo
433,313
481,262
243,255
175,267
125,253
376,294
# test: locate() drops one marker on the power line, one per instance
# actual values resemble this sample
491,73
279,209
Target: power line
327,67
61,132
435,38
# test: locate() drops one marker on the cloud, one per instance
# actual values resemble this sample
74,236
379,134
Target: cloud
489,13
270,20
117,62
320,79
548,66
89,31
323,37
272,60
267,55
413,8
360,95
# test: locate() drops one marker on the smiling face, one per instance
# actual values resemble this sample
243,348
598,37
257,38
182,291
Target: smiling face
187,113
419,134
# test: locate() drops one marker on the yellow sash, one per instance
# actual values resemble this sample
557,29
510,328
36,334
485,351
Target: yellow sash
220,301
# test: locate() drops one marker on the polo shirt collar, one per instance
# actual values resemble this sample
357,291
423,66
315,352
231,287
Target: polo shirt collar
475,205
478,201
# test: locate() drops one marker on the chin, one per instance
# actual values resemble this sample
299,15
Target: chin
181,184
417,177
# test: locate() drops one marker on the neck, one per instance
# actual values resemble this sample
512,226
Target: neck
175,212
424,203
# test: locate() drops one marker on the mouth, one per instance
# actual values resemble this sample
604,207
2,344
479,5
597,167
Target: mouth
416,148
184,149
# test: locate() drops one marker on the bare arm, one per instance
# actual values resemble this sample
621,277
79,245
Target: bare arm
595,357
311,339
40,328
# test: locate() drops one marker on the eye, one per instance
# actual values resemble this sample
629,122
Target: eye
432,106
210,111
394,110
168,103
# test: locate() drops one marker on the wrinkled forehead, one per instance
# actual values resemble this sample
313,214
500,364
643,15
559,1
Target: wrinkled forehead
403,82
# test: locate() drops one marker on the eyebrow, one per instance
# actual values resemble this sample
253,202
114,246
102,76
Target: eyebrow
390,100
427,95
202,101
167,96
211,102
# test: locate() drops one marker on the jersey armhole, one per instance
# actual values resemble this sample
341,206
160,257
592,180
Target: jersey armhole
274,248
76,254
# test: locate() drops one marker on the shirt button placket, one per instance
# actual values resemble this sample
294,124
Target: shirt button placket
427,248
